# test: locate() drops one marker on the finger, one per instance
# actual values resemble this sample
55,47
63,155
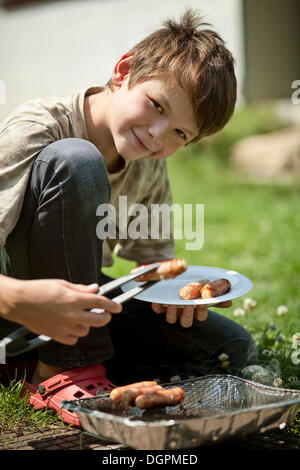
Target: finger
201,313
171,316
96,320
225,304
158,308
91,288
81,330
82,287
69,340
187,316
90,301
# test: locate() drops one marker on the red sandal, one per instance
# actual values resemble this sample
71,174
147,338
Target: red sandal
72,384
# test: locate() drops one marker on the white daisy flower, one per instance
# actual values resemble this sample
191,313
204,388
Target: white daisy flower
292,379
277,382
223,357
282,310
239,312
249,304
295,357
267,352
296,340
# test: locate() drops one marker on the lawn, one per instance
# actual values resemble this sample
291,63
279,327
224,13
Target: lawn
251,227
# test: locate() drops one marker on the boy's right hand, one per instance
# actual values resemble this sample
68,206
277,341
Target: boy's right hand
55,307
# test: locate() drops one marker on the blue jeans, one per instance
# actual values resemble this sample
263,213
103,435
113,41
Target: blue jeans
55,237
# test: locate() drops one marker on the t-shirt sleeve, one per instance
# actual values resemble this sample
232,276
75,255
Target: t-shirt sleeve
154,219
21,139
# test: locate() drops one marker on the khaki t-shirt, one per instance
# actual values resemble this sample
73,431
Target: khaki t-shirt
37,123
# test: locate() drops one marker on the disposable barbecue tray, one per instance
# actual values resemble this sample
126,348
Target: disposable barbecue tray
215,408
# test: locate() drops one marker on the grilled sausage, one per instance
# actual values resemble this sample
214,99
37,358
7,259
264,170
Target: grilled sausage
129,396
215,288
166,270
161,398
192,290
117,393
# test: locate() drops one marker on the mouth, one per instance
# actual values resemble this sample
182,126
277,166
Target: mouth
139,142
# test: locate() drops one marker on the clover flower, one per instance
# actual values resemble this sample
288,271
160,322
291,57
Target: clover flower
277,382
295,357
296,340
223,357
282,310
267,352
249,304
239,312
292,379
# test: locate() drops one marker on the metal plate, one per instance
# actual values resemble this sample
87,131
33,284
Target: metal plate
215,408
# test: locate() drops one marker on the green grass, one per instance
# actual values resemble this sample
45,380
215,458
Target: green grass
16,413
251,227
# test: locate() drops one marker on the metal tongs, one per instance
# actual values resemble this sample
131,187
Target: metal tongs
16,343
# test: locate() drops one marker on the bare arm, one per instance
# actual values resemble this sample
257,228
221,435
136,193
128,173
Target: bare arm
54,307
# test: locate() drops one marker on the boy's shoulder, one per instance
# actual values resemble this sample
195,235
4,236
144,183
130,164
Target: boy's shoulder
51,112
41,105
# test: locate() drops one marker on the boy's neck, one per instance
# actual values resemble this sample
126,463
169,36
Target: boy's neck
96,113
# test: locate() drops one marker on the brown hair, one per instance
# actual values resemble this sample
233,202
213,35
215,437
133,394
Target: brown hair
198,60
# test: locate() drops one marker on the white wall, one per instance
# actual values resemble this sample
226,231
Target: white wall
57,48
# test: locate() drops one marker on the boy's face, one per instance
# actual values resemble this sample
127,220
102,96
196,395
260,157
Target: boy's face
150,120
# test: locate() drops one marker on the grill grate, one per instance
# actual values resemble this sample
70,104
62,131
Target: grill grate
215,408
206,396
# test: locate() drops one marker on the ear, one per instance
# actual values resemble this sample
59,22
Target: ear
122,69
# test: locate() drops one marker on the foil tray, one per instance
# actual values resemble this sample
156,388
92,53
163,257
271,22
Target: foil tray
215,408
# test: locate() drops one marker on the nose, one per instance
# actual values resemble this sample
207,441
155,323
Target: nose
159,129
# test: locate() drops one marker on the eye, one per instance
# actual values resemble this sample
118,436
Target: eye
181,134
157,106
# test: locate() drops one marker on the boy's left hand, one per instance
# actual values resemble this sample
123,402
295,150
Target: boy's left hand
187,314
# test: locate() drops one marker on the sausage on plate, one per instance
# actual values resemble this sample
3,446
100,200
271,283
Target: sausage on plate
215,288
192,290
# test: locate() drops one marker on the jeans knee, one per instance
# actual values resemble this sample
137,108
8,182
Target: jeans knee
78,166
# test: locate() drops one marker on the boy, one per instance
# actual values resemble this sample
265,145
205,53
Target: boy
62,158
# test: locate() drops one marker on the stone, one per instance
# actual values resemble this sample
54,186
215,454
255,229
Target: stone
269,155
